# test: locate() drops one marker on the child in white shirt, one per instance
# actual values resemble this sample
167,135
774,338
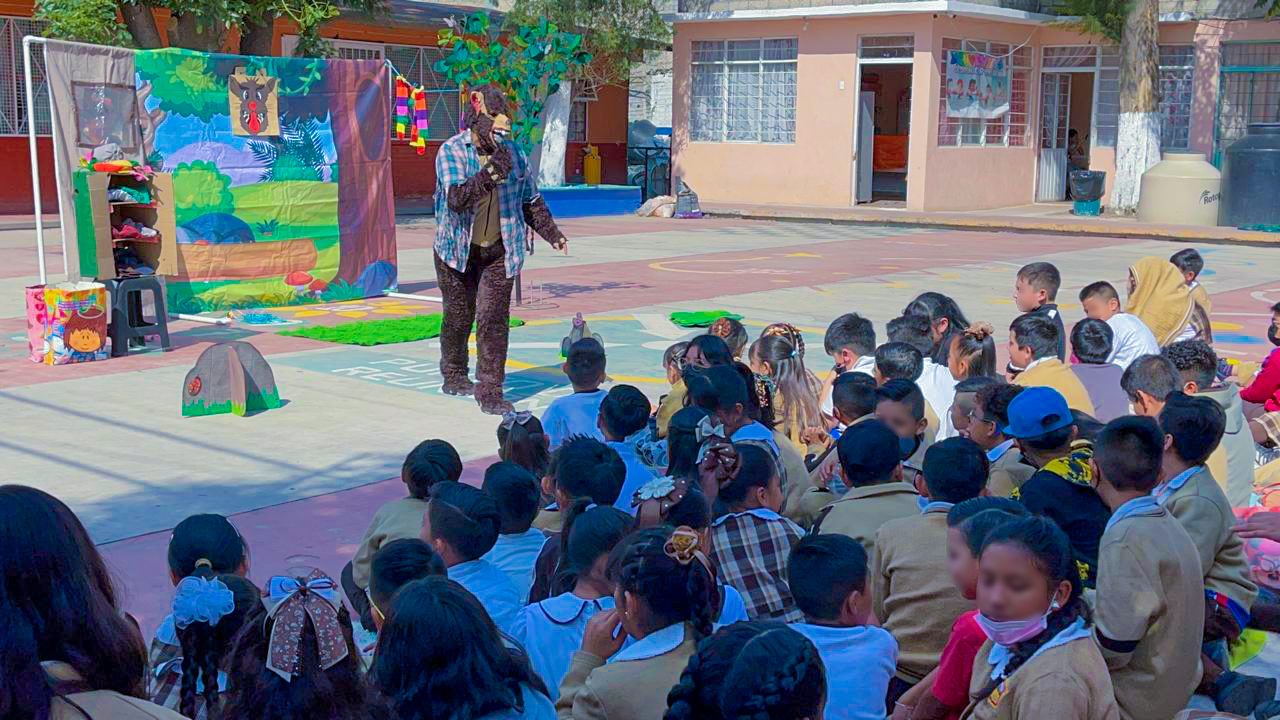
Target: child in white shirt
518,496
577,414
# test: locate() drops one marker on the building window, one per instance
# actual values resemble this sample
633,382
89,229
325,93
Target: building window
14,115
1177,67
1009,130
578,121
444,101
744,91
885,47
349,50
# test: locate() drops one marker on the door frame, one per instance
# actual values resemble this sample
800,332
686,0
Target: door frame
857,93
1041,70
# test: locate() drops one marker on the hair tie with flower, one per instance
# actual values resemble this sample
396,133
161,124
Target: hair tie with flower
201,600
979,331
654,500
684,546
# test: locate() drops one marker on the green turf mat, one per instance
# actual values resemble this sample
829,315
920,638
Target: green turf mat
701,318
379,332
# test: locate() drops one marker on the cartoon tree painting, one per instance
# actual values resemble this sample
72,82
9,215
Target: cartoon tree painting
183,82
198,188
528,66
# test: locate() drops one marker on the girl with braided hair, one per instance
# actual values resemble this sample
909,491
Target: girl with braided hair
973,353
665,601
208,611
733,334
1040,659
751,671
551,630
202,546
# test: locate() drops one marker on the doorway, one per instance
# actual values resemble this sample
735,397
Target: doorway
1067,94
883,120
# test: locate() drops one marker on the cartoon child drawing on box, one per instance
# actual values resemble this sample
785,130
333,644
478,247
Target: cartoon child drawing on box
81,335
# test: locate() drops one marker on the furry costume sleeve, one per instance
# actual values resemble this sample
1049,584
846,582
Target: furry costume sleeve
538,216
466,195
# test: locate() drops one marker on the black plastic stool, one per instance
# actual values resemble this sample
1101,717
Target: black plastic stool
127,323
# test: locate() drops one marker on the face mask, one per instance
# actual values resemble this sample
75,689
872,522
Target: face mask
1012,632
1271,335
907,446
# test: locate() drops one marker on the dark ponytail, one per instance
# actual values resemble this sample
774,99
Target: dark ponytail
205,644
682,443
207,537
674,581
1049,546
756,468
525,444
750,671
589,531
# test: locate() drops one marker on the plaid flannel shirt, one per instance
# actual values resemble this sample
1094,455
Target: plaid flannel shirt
457,161
750,550
165,678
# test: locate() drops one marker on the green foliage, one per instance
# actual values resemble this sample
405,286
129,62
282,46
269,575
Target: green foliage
295,155
1103,18
199,188
528,66
267,228
614,31
183,82
90,21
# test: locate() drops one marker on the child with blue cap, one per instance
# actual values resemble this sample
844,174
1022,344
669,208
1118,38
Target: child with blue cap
1061,488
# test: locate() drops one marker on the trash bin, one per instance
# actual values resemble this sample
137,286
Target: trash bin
1087,187
1251,171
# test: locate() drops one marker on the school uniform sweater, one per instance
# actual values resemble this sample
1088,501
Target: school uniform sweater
911,589
1233,461
76,704
1066,682
862,510
633,684
1008,472
397,520
1196,500
669,405
1149,610
1051,372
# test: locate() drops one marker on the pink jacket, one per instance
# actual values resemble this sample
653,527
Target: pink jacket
1265,388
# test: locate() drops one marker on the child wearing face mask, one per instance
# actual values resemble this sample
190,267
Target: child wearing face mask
944,693
1040,659
901,406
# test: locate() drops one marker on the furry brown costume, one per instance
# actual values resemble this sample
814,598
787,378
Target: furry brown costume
482,292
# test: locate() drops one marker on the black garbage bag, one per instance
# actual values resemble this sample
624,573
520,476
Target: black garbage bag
1087,184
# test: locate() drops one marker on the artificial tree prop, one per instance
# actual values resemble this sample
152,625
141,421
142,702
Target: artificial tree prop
527,64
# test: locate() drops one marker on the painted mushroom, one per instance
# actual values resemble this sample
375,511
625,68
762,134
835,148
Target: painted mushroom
298,280
317,287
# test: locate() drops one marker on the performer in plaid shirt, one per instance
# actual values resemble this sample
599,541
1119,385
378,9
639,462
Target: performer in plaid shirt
752,543
486,201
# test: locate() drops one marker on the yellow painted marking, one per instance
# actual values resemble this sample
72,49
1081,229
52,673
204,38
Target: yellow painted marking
801,255
350,313
310,313
664,265
890,267
1220,325
948,275
780,282
897,284
1001,301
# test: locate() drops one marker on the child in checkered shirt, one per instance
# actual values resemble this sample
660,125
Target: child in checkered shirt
189,653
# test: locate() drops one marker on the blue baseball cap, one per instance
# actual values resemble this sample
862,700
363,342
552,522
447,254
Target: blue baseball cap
1036,411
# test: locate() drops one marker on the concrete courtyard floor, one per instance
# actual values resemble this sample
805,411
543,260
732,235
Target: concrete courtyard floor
304,480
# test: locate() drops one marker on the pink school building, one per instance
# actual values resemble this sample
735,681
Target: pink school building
836,105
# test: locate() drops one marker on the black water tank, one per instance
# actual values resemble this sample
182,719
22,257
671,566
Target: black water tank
1251,180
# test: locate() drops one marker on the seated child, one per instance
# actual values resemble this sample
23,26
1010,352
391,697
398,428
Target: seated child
262,683
828,577
972,352
898,361
551,630
521,440
751,670
912,594
1040,659
797,408
734,335
1232,463
666,605
624,413
1062,488
1191,264
750,545
517,495
1131,338
1160,298
395,565
462,524
851,343
673,365
723,393
706,351
577,414
1035,292
431,462
203,550
1192,428
1147,381
1150,605
1032,342
1264,388
962,407
935,381
855,397
871,460
581,468
1150,602
944,693
986,428
1091,346
901,406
